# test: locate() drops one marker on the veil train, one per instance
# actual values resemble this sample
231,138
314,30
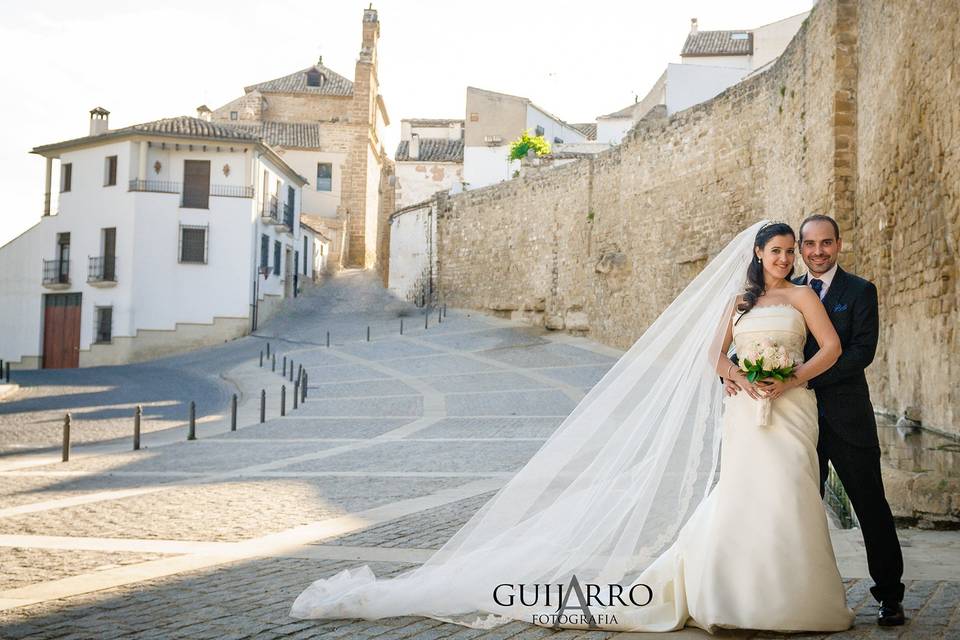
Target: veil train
605,494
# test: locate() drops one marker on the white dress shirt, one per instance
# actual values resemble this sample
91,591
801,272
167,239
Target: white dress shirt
826,278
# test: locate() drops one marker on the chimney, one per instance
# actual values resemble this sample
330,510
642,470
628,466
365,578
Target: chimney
204,113
99,121
414,151
693,25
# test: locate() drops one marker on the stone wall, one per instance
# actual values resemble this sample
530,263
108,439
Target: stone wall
600,246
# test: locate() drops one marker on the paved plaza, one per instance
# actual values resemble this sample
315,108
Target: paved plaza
402,438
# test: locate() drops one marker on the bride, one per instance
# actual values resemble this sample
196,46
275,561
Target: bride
622,520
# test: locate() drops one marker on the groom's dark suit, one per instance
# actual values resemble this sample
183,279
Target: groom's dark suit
848,428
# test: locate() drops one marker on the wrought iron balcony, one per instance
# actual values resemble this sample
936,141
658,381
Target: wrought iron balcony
270,210
156,186
166,186
102,271
56,274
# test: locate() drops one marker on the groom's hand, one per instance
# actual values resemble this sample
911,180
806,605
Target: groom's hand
730,387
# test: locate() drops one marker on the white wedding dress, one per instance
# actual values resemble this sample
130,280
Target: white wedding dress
625,492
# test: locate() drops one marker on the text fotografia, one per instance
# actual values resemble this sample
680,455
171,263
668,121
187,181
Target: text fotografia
545,595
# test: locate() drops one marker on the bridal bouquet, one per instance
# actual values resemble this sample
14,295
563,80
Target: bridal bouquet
766,359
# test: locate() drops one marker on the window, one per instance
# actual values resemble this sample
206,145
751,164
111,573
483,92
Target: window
193,244
314,78
110,171
108,268
557,140
104,324
539,130
324,176
276,258
264,250
66,176
304,255
234,115
196,184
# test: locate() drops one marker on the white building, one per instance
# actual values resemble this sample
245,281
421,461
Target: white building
493,121
155,243
429,159
712,61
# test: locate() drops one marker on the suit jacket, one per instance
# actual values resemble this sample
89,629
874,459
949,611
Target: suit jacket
843,396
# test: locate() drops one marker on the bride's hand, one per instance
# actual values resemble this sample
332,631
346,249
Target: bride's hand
750,388
773,388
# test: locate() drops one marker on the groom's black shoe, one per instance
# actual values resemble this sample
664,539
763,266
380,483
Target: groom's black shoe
890,614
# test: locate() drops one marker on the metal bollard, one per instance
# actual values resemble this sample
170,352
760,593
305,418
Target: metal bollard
328,339
263,406
296,393
444,309
233,412
439,316
66,436
291,371
1,368
300,372
268,349
261,358
8,372
368,333
283,400
137,414
284,366
192,432
273,362
303,388
401,326
426,316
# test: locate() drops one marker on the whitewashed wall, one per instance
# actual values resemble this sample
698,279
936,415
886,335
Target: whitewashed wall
690,84
320,203
417,181
412,249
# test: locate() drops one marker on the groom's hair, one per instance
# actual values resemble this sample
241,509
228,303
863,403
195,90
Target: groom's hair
819,217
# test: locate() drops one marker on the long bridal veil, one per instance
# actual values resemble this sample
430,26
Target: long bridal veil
606,493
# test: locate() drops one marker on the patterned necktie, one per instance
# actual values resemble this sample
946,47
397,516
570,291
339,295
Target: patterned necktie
817,285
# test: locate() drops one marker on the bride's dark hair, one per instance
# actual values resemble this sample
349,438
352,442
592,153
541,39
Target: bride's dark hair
756,285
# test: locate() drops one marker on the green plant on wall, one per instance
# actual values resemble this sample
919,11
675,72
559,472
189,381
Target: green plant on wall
520,146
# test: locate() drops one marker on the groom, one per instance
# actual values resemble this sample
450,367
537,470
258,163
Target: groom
848,428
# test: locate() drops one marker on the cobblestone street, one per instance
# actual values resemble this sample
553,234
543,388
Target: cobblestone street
401,439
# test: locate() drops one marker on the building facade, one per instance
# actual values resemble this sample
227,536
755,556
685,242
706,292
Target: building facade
429,159
162,237
328,128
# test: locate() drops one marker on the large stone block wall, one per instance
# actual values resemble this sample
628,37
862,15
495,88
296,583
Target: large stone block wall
602,245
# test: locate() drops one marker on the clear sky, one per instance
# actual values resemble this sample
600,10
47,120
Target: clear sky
142,62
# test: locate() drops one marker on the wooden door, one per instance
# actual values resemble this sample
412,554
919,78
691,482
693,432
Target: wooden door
196,184
61,331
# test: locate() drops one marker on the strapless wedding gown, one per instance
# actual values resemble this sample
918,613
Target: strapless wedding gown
756,554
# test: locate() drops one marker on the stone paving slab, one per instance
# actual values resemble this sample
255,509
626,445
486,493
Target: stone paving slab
551,354
386,407
238,509
439,365
23,566
494,380
427,456
370,388
296,426
505,427
489,339
585,376
216,454
20,489
528,402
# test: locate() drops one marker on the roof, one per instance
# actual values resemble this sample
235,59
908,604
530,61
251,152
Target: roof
626,112
588,129
313,223
302,135
178,127
432,150
718,43
331,83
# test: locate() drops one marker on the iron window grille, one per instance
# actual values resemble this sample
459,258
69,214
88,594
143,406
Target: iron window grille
194,241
